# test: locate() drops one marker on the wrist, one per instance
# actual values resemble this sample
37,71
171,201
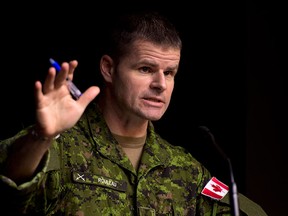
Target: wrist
37,136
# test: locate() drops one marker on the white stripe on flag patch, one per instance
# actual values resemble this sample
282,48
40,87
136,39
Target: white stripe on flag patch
215,189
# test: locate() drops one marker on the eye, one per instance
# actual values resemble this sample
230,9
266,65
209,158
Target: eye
169,73
145,70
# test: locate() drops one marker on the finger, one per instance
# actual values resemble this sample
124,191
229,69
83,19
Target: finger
49,81
61,75
89,95
72,66
38,93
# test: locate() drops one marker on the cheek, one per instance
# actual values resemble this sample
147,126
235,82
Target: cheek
132,84
170,88
169,92
126,86
126,89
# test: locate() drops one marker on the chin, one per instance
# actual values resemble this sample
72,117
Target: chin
154,117
152,114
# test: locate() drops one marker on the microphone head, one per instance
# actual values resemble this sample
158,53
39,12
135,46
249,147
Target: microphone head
212,138
204,128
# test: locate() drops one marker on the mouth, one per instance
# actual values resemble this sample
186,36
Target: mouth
158,100
152,101
155,100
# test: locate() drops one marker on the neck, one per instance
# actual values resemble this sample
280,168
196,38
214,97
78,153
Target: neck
119,122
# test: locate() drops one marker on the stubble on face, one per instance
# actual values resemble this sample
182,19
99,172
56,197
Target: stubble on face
134,90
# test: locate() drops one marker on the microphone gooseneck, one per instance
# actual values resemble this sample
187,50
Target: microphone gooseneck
234,193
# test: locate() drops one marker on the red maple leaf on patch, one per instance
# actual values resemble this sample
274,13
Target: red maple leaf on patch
216,188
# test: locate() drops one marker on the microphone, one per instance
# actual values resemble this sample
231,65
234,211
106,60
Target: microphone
234,193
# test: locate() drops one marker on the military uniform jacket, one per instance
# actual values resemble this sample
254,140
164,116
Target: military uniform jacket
85,173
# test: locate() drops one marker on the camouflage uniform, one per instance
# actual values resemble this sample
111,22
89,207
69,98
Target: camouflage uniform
86,173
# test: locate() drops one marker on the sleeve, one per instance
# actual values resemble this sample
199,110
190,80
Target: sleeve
206,205
247,206
14,198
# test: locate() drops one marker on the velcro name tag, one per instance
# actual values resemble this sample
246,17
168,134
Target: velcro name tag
88,178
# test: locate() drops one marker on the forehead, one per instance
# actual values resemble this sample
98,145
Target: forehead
146,49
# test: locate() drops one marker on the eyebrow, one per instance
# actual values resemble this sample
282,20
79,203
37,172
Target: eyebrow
153,64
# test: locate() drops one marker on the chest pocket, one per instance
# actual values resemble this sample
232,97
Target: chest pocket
93,194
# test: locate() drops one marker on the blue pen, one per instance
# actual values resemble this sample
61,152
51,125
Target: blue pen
71,86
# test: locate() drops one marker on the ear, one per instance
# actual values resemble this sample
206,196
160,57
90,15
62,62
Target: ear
106,67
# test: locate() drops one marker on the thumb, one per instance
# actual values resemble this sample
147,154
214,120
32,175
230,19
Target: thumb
88,95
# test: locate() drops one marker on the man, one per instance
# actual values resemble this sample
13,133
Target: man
100,154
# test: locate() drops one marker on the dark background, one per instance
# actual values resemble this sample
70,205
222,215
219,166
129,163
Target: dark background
231,79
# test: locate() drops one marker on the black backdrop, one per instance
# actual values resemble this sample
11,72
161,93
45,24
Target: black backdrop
229,59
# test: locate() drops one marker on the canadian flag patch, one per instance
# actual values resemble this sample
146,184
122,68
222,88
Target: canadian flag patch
215,189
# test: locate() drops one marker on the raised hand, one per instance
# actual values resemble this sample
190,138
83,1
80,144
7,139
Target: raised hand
56,109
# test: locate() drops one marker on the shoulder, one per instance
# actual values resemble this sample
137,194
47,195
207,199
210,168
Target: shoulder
178,156
247,206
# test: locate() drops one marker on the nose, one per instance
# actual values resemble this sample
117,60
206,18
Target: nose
159,81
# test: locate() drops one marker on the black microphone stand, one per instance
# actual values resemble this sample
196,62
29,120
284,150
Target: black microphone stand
233,194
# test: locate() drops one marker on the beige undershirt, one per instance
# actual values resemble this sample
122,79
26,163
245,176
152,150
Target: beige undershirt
132,146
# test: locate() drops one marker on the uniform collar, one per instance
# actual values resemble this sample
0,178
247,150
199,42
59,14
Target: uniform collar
155,151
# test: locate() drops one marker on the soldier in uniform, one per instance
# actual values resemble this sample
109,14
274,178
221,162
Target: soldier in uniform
99,154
